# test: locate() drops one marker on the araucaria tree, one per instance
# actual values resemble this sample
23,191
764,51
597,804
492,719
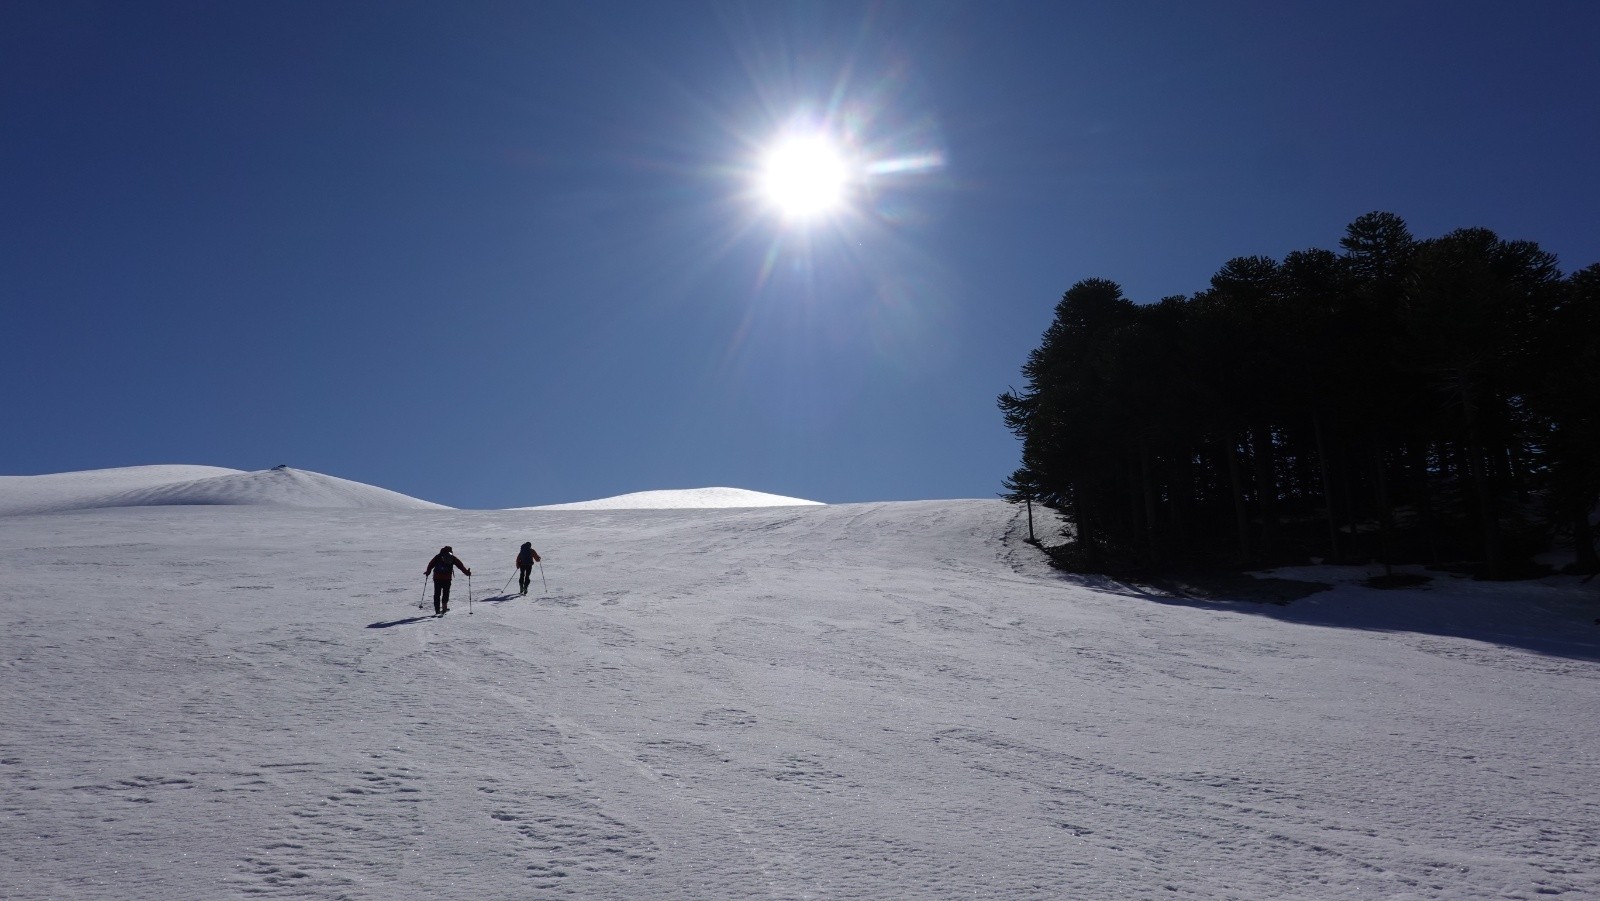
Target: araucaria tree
1401,400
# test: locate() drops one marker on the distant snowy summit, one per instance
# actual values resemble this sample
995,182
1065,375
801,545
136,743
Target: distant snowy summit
684,498
160,486
280,486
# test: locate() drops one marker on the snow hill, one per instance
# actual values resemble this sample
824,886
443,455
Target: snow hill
158,486
81,490
893,700
682,499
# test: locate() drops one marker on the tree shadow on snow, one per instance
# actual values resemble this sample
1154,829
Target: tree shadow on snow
1554,620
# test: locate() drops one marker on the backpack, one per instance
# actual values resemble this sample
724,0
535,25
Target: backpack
441,565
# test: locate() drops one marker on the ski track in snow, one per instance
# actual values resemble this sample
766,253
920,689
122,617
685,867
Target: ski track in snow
858,701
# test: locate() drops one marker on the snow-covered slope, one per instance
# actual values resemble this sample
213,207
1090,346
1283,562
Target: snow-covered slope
78,490
848,701
682,499
156,486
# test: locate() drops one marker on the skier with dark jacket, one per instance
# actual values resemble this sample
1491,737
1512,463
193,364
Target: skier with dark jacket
526,558
442,567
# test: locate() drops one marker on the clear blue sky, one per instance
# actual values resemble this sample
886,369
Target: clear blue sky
495,254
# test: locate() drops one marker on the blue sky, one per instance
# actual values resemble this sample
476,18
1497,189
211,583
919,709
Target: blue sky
496,254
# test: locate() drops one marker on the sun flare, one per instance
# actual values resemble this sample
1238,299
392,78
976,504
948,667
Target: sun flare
805,177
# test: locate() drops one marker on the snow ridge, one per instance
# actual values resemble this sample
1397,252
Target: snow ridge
683,499
162,486
84,490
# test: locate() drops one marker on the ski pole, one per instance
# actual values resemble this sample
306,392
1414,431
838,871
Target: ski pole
541,577
422,604
469,594
508,583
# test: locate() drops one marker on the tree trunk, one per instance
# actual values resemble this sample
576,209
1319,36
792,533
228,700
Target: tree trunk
1517,469
1231,449
1082,525
1583,541
1385,513
1327,488
1350,502
1149,500
1266,487
1135,528
1488,515
1417,458
1179,497
1502,472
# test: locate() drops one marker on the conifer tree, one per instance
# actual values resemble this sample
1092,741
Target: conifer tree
1401,399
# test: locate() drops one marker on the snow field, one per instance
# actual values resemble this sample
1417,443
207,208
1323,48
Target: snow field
873,700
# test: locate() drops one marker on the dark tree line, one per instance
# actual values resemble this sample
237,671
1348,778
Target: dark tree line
1400,400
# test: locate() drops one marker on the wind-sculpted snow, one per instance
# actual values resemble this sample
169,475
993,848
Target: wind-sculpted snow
160,486
80,490
273,487
850,701
682,499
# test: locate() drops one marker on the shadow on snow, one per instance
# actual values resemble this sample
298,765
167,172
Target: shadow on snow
399,622
1528,616
497,599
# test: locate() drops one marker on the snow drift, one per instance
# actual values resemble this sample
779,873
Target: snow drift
683,499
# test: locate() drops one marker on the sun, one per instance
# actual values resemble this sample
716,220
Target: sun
805,177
